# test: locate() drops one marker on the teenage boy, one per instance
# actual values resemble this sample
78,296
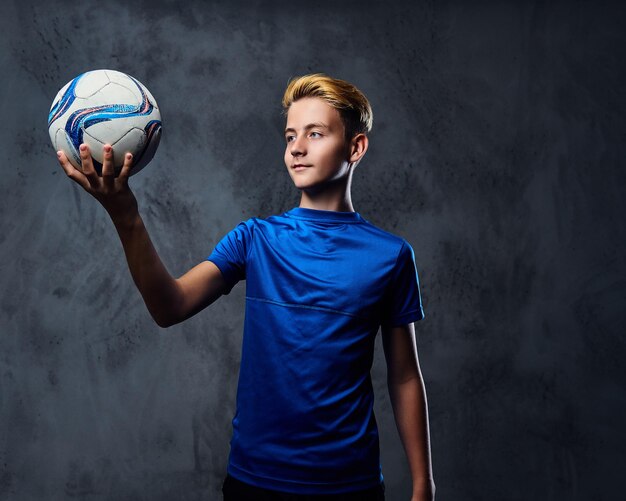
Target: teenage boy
320,281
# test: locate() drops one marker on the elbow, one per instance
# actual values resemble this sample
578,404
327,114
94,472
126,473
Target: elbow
166,314
173,311
163,324
165,321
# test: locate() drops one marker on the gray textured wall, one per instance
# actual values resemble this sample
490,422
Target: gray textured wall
497,151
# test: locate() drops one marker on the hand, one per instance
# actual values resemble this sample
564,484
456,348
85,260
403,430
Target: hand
112,192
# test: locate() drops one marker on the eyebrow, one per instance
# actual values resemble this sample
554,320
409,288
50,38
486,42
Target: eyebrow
309,126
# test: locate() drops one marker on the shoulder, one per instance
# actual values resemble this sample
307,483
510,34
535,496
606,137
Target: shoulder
394,244
243,228
246,228
263,223
264,220
256,221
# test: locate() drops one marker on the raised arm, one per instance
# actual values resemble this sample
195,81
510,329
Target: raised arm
408,399
168,300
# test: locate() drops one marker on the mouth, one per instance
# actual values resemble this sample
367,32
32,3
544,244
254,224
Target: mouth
299,167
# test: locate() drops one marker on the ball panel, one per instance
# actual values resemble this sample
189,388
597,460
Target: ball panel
95,147
153,138
134,141
52,132
128,83
134,85
63,143
112,93
117,77
64,102
90,82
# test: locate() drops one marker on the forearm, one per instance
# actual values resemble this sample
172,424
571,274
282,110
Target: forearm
408,399
158,288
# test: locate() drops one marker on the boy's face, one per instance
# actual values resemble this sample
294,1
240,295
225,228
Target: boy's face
315,137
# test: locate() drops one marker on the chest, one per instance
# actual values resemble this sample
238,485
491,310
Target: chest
337,271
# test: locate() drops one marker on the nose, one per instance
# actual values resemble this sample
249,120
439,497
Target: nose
297,147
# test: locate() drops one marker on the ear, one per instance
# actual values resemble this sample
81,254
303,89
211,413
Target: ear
358,147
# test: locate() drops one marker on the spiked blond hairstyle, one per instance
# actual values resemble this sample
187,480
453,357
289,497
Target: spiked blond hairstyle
352,105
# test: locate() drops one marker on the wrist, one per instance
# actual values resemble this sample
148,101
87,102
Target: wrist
424,490
123,210
125,221
425,485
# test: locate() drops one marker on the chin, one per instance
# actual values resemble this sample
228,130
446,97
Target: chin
301,183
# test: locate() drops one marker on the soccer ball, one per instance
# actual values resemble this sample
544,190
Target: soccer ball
105,106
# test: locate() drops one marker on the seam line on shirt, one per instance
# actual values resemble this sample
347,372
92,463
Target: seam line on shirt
323,308
395,265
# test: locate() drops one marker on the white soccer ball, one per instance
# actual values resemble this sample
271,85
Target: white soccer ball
105,106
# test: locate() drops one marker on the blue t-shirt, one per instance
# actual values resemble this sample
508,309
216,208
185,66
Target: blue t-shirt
319,284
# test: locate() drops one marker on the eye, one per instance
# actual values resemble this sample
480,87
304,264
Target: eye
316,133
288,138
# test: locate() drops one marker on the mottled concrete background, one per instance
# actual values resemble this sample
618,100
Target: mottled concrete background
497,152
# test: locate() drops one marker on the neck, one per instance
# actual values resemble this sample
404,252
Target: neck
334,196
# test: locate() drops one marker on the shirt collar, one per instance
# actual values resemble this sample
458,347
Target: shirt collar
323,215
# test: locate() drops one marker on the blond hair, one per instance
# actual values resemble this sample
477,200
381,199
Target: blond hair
352,105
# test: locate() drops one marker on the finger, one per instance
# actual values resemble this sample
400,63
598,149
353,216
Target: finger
108,169
87,166
72,172
125,172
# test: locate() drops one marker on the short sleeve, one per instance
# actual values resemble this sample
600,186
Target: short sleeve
402,303
231,253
